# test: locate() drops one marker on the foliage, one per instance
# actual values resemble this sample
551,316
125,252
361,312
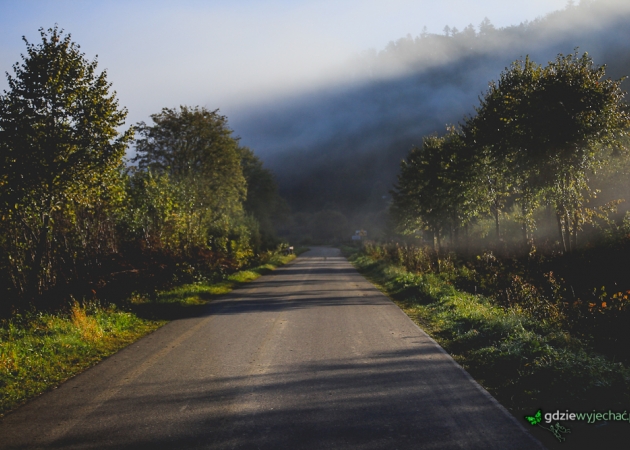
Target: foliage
551,125
74,221
60,150
437,189
536,138
263,201
165,214
199,189
524,361
196,145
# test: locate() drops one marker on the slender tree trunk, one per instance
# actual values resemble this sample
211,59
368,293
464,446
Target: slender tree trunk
561,233
524,227
439,242
430,236
438,251
496,220
40,250
576,224
466,241
567,230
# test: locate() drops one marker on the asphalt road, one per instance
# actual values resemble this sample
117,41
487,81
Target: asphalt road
309,357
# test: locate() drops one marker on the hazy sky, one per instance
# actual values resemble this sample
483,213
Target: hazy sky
223,54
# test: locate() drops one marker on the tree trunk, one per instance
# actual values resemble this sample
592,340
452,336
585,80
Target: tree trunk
439,242
567,230
438,251
429,236
563,243
466,241
40,250
524,226
496,221
576,224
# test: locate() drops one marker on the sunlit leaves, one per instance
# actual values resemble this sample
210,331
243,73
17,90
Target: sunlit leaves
551,125
536,136
191,186
59,145
437,188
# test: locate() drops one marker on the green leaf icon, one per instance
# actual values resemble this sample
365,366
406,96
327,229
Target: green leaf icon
535,420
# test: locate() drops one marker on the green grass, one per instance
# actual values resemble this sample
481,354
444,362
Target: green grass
40,351
349,250
524,362
200,293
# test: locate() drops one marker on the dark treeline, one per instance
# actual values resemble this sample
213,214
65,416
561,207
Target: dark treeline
340,148
77,221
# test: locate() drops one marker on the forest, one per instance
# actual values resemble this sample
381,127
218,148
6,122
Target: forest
79,220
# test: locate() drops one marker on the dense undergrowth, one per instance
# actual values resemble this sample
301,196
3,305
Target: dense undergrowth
39,350
525,350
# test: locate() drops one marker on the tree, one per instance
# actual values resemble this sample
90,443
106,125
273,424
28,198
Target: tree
196,149
195,144
438,187
485,27
263,200
58,139
551,125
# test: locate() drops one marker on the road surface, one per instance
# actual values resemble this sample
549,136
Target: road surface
309,357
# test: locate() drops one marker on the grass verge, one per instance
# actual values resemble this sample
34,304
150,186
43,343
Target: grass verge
526,363
39,351
189,299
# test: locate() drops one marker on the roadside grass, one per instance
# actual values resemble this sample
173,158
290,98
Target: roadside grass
39,351
525,362
349,250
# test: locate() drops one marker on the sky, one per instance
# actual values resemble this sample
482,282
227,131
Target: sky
228,54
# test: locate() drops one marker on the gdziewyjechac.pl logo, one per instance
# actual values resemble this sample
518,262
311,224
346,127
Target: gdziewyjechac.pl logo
558,430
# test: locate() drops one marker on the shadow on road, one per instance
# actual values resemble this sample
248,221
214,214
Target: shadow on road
247,411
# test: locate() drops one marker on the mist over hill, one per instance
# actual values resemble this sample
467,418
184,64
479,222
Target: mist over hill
340,147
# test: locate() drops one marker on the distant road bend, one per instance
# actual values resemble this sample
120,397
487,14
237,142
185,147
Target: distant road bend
309,357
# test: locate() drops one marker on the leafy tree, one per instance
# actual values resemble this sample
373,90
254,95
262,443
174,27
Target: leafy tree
438,188
58,141
263,200
195,144
191,155
551,126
